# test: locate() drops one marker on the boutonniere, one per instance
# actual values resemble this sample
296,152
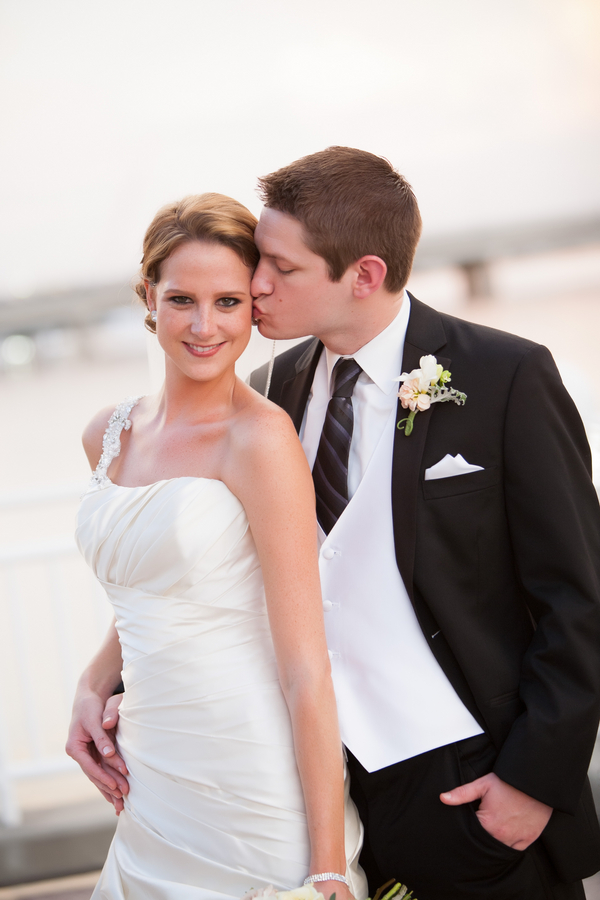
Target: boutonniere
425,386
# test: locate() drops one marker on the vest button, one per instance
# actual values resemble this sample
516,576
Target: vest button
327,605
328,553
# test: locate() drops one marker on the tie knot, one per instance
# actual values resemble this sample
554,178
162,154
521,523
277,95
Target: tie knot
345,374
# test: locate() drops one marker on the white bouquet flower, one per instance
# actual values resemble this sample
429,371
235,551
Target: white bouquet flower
397,892
269,893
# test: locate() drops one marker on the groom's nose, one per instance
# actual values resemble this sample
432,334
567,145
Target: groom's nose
261,284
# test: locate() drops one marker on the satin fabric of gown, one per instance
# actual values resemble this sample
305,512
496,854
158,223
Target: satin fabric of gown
215,805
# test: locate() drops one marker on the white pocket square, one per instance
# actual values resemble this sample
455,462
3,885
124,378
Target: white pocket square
449,466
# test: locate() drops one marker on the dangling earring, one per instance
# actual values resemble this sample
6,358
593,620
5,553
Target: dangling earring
153,315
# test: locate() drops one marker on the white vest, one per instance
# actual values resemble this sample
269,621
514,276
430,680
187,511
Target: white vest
394,701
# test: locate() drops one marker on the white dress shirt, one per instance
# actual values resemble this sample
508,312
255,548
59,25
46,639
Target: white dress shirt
374,396
394,700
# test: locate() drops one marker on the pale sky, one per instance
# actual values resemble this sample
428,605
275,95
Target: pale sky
110,108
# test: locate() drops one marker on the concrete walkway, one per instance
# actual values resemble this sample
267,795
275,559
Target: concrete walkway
52,843
80,887
77,887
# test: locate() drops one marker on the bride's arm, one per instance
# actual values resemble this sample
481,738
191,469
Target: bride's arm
269,473
88,742
93,722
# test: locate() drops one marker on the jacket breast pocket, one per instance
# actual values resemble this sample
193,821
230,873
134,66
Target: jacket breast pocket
461,484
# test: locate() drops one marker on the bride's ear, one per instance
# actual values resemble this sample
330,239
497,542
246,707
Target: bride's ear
149,287
369,275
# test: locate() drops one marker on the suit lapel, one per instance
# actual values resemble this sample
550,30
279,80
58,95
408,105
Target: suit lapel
425,335
295,391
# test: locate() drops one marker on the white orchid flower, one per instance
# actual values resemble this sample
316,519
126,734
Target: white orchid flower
409,376
428,375
430,371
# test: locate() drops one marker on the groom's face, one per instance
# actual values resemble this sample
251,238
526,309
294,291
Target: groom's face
294,296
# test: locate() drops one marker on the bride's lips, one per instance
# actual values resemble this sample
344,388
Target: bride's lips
203,349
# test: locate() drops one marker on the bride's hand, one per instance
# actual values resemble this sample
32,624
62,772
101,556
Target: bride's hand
112,763
327,888
91,745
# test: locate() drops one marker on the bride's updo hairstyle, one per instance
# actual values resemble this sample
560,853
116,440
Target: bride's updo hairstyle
213,218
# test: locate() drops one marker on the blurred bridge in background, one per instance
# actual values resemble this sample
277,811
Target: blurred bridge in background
472,252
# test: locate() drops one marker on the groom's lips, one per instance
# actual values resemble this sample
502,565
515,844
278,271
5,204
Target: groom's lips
256,311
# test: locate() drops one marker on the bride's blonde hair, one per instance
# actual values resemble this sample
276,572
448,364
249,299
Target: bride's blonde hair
213,218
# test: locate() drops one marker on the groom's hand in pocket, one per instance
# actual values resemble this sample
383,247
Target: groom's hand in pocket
509,815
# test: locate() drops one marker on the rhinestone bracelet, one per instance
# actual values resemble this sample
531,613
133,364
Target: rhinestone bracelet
326,876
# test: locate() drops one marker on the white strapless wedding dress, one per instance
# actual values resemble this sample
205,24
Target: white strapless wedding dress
216,805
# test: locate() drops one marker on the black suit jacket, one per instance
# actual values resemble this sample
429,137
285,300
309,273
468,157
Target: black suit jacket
502,565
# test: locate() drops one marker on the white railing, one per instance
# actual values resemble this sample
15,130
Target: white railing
52,616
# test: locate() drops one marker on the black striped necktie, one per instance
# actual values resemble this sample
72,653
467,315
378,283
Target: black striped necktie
330,471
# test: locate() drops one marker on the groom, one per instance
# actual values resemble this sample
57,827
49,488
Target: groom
460,562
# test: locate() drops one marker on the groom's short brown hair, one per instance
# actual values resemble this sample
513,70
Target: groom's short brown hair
351,204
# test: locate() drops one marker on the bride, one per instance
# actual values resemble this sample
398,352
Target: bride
200,524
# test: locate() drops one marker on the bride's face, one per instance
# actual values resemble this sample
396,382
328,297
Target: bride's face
203,308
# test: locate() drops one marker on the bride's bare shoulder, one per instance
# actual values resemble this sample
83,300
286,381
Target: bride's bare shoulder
93,434
266,458
262,431
262,421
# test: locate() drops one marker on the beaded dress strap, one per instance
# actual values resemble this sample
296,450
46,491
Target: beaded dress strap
111,442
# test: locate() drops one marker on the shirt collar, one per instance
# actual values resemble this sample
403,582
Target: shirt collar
381,358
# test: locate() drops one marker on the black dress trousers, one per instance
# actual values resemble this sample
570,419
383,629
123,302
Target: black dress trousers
442,852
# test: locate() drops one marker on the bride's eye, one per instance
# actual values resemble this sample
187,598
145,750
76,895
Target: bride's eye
228,302
180,300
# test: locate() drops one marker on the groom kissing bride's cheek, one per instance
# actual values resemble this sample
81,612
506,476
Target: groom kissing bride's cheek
459,558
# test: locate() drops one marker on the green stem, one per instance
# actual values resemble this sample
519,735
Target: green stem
398,889
383,887
409,424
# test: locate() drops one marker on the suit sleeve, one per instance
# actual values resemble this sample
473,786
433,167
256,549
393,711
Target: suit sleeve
554,522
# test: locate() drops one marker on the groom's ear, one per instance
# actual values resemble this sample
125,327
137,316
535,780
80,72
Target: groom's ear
368,276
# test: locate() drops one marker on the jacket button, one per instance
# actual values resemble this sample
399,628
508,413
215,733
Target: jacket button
327,605
328,553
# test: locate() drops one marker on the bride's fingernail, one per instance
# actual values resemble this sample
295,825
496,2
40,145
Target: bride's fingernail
106,751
